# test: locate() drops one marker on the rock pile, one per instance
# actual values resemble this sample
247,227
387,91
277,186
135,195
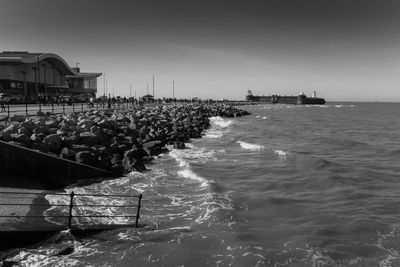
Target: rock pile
119,141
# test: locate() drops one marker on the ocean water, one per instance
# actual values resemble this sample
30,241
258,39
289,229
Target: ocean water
285,186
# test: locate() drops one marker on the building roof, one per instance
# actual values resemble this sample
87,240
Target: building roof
24,57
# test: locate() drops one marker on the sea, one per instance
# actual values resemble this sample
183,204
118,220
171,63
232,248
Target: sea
287,185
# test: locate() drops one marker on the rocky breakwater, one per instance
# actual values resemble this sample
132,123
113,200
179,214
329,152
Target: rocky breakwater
118,141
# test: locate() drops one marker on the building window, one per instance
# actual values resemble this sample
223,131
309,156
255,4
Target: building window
86,84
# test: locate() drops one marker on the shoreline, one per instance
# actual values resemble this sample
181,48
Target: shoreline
118,141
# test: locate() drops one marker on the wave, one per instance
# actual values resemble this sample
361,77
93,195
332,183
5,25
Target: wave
188,173
221,122
212,133
281,153
193,154
249,146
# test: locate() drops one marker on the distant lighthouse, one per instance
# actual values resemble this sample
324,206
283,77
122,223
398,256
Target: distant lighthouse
314,94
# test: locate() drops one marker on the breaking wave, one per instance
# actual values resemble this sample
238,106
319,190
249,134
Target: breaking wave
249,146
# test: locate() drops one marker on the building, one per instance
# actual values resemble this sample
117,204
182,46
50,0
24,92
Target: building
43,74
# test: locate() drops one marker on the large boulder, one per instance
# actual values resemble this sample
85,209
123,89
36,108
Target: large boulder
67,153
53,142
41,127
11,129
71,140
24,130
89,138
179,145
132,160
154,148
21,138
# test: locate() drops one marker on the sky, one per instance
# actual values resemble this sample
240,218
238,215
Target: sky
346,50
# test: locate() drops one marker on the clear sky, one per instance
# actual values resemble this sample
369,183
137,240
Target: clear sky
344,49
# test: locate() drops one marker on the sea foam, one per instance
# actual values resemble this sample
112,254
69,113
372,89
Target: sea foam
250,146
281,153
221,122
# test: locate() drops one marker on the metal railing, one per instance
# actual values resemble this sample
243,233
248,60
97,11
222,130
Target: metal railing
60,108
73,205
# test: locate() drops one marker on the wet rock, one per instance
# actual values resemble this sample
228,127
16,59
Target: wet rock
132,160
179,145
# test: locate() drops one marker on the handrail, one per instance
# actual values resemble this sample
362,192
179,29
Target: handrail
73,205
67,194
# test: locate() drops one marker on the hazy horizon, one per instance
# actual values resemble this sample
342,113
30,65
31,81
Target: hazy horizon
345,50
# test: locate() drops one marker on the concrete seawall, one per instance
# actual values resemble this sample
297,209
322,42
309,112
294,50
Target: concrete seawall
47,170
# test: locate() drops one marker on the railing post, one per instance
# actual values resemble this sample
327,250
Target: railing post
63,104
71,205
81,107
40,106
138,210
26,108
8,110
52,107
73,107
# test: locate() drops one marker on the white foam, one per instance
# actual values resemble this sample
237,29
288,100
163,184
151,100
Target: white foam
250,146
188,173
221,122
212,133
264,118
281,153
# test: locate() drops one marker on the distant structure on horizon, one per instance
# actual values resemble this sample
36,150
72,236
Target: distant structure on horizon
301,99
43,74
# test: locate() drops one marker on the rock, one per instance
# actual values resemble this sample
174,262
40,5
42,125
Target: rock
71,140
67,153
21,138
53,142
132,161
85,124
17,118
79,148
40,114
51,123
24,130
179,145
89,138
36,138
154,148
86,157
41,128
11,129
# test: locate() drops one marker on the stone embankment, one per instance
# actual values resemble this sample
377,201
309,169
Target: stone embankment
118,141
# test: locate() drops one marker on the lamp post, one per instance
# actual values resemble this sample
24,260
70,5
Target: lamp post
173,89
104,84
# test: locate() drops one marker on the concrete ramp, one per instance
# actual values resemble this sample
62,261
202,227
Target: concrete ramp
24,164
